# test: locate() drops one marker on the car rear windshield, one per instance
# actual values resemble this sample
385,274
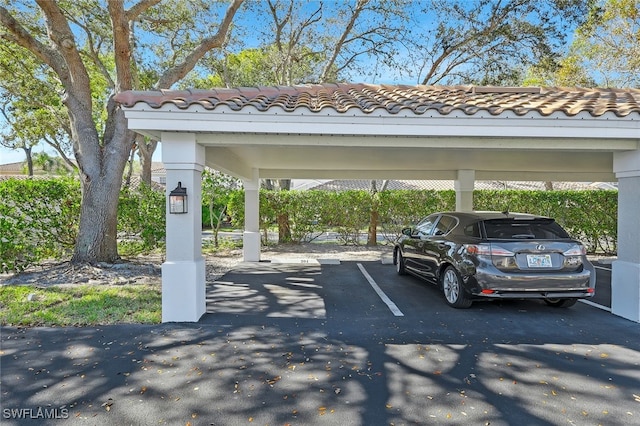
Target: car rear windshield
546,229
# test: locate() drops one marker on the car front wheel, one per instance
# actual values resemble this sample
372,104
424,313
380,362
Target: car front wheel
452,289
561,303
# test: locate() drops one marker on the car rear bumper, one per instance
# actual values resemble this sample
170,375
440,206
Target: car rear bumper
536,295
565,285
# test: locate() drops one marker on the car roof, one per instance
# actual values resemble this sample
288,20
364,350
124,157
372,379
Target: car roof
488,215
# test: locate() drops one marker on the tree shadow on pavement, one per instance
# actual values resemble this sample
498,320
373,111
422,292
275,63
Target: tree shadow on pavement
301,344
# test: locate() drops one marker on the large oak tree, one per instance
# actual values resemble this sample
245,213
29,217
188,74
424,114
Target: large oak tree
77,37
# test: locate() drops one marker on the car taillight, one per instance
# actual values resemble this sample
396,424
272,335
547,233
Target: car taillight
488,250
500,257
478,249
577,250
573,256
499,251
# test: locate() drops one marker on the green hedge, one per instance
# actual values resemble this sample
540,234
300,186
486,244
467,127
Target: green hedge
399,209
142,217
590,216
39,218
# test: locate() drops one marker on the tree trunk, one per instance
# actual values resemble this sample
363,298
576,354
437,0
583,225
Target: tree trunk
374,216
97,233
216,222
101,179
27,152
213,225
284,229
145,152
127,178
373,227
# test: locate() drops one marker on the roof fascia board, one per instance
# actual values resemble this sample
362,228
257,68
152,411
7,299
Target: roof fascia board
449,142
388,125
436,175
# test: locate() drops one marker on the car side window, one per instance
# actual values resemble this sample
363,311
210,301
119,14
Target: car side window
425,226
472,230
445,225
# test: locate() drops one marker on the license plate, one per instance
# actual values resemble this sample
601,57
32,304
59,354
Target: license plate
539,261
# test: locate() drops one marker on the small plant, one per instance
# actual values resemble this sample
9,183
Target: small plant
210,247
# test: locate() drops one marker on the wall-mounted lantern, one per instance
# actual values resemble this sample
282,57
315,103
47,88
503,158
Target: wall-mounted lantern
178,200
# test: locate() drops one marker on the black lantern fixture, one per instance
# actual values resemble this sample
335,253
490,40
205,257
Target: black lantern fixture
178,200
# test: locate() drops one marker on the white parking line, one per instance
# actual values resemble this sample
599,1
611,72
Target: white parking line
392,306
595,305
602,267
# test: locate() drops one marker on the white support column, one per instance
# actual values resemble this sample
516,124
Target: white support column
183,272
625,276
251,236
464,190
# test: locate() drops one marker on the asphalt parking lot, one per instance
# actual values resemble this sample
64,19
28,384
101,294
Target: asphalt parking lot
348,343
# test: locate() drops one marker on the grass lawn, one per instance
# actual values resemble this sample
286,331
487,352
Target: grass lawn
80,305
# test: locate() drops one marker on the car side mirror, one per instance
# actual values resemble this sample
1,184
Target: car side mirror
406,231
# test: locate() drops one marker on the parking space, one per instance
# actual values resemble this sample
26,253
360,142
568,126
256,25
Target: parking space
378,348
367,289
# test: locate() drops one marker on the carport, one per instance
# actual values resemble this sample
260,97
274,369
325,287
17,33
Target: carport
366,131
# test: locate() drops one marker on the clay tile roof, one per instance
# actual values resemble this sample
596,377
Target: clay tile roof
368,98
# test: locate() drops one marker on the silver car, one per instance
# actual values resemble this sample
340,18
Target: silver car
496,255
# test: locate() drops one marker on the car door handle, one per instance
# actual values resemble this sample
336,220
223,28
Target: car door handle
442,246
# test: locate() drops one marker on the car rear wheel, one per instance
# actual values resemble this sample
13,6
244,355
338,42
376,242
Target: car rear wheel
398,260
452,288
561,303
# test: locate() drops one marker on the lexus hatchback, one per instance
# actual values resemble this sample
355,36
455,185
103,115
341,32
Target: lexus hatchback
494,255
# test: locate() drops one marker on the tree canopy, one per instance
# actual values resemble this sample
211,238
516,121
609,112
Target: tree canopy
608,44
93,50
425,42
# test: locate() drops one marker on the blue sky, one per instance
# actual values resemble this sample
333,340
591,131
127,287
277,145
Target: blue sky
10,156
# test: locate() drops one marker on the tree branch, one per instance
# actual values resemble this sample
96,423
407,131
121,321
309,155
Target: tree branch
20,36
177,72
139,8
121,45
334,53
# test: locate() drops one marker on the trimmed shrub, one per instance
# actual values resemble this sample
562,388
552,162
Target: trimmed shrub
141,216
38,220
